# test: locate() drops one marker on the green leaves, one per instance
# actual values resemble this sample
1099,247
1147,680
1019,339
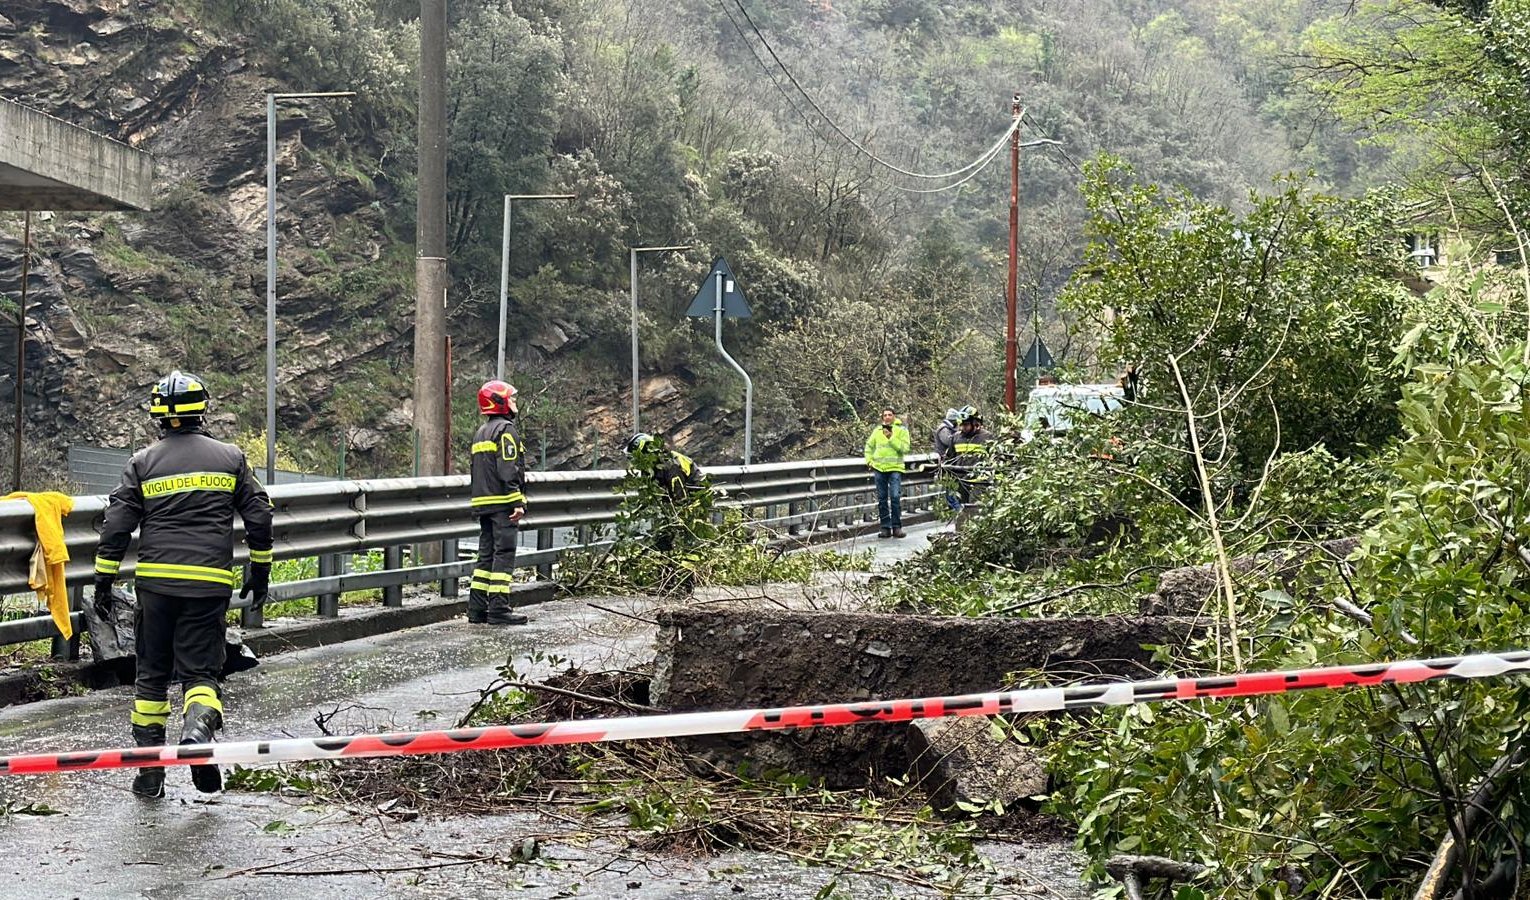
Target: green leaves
1341,786
1285,315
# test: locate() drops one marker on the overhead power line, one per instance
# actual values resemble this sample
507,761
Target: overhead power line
1037,128
765,67
972,167
994,155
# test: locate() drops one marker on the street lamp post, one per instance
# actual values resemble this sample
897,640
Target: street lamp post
633,253
504,271
271,100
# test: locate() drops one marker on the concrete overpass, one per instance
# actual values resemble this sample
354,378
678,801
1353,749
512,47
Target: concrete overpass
49,164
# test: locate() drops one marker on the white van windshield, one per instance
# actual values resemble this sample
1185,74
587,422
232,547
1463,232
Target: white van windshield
1056,407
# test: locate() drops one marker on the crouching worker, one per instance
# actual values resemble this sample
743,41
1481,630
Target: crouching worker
687,491
674,472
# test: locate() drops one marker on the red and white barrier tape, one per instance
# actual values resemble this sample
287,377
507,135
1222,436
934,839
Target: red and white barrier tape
585,731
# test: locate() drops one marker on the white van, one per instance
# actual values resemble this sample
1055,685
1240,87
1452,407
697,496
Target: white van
1054,407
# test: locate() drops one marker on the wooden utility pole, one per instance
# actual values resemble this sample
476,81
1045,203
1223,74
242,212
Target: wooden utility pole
430,264
1011,298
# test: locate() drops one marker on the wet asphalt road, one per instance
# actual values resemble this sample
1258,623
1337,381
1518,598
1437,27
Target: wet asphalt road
104,842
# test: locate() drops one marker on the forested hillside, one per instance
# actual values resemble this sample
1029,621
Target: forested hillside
673,123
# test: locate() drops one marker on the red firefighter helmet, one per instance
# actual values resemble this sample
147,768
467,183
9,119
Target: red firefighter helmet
494,398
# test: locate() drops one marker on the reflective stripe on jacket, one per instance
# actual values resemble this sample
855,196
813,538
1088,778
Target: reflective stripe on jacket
499,466
885,453
970,449
182,494
680,476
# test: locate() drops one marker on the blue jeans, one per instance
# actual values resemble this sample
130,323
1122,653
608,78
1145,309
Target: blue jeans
890,499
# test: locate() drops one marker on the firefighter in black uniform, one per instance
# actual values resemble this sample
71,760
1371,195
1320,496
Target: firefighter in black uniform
182,493
675,472
970,451
688,520
498,471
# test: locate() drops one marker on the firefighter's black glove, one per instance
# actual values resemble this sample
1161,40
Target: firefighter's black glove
257,584
103,597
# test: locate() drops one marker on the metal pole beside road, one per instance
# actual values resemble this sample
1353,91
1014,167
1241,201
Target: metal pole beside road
504,271
632,283
717,311
504,289
271,269
21,351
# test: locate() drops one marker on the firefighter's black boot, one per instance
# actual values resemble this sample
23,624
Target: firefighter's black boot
149,782
477,606
500,611
198,726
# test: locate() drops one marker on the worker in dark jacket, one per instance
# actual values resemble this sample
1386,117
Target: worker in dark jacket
945,448
945,435
182,494
969,451
499,470
675,472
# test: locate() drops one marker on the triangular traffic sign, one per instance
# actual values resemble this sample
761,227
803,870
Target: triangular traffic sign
1038,357
705,304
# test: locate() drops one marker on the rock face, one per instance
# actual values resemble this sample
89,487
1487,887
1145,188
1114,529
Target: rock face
116,301
719,658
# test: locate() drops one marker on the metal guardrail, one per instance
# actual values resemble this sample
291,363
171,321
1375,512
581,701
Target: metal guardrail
333,520
99,469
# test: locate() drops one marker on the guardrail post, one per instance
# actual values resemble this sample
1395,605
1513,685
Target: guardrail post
393,559
449,585
329,604
794,509
69,650
544,542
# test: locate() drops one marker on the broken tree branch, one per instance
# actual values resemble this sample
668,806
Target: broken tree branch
372,870
1488,795
1132,870
1037,601
583,698
1224,566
